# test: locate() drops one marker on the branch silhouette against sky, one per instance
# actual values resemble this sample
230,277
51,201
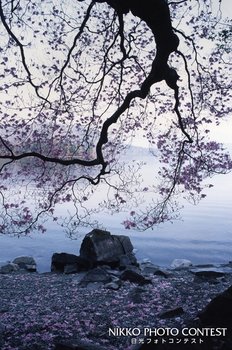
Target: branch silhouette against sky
79,81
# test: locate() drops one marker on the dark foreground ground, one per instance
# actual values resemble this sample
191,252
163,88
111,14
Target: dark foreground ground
39,310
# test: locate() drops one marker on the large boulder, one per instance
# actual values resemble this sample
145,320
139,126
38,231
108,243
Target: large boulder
68,263
219,311
101,248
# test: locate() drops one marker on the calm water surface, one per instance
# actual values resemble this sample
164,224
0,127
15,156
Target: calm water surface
204,235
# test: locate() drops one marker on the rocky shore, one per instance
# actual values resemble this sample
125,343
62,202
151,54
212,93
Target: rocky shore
41,311
118,307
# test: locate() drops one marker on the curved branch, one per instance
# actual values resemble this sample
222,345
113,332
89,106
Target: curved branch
51,159
20,45
157,17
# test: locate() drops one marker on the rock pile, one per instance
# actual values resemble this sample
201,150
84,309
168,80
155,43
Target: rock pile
98,248
104,259
107,261
23,263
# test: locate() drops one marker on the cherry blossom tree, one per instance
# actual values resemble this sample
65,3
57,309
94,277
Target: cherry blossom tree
80,80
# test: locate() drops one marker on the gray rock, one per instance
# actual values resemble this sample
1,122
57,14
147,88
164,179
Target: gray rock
133,268
214,268
113,285
126,243
113,272
181,264
69,269
127,260
76,278
26,263
61,260
115,278
162,273
208,273
9,268
135,277
95,275
101,248
93,285
204,266
30,268
150,269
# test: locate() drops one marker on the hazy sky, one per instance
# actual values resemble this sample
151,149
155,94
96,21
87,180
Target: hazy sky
226,7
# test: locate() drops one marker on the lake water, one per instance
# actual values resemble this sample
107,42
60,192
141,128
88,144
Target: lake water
204,235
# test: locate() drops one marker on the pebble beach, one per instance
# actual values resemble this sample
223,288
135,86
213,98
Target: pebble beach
39,310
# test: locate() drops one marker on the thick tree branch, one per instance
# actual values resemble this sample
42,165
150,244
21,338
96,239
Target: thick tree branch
157,17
